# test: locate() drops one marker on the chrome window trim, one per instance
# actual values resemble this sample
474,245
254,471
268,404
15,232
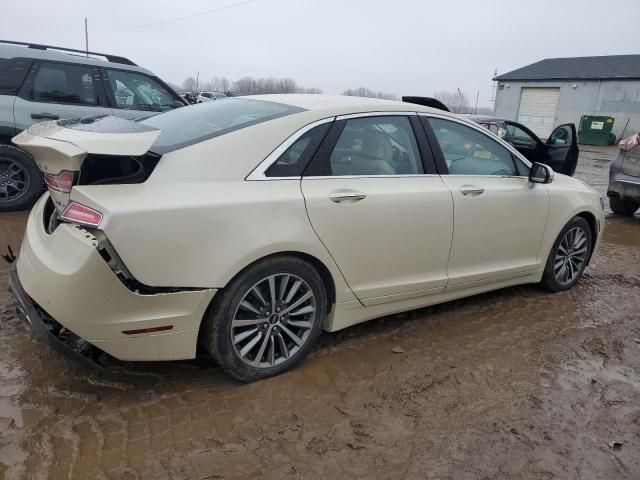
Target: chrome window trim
259,172
627,182
337,177
374,114
484,131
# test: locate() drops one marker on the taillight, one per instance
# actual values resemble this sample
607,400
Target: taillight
629,143
77,213
61,182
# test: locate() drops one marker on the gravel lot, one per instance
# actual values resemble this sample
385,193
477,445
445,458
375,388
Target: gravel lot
512,384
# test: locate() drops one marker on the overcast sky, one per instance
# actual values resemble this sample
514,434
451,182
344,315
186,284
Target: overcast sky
406,47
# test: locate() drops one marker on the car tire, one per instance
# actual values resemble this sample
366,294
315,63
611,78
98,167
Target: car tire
569,256
626,208
239,317
16,164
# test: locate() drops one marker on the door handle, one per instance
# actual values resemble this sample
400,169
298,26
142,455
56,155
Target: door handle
346,196
43,116
471,190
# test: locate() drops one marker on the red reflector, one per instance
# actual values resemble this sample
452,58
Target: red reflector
78,213
148,330
61,182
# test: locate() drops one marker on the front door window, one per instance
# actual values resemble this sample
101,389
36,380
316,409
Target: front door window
468,151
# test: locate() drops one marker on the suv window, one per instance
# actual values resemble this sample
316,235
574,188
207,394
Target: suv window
384,145
64,83
135,91
470,152
294,160
12,73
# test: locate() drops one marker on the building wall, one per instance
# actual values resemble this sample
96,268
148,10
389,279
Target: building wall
618,99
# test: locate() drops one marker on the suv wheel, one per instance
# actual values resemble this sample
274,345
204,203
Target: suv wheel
267,319
623,207
569,256
20,179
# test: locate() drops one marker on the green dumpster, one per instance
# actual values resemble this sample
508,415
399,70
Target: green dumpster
595,130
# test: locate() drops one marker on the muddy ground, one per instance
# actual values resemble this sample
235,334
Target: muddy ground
513,384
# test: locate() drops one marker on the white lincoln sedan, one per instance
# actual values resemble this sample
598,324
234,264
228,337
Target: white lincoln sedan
248,225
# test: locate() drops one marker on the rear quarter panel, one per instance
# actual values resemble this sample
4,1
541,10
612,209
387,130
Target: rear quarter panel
200,234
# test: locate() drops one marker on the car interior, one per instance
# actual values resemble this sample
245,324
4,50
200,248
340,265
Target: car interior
467,152
376,146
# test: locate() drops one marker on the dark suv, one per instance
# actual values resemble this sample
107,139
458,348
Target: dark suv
624,178
41,82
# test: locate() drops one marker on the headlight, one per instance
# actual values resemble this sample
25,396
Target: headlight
602,202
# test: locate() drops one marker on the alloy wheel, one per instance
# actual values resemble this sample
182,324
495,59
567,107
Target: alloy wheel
14,180
571,255
273,320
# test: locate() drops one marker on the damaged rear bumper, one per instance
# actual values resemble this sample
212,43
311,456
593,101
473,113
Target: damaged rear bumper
62,283
50,332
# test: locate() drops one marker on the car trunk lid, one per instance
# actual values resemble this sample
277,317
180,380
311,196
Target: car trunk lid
61,147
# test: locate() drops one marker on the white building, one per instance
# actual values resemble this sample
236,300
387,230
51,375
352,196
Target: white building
560,90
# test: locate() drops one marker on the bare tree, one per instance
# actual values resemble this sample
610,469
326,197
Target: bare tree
366,92
456,101
250,85
189,84
220,84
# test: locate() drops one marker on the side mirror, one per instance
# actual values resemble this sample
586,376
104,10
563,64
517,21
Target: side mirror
178,104
541,173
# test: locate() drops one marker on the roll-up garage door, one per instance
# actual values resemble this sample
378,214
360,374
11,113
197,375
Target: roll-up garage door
538,109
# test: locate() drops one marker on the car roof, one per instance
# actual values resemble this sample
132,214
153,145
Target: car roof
13,51
344,104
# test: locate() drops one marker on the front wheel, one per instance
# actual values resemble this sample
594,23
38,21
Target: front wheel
622,207
267,319
569,256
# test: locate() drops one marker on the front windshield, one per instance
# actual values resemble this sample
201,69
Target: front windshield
194,124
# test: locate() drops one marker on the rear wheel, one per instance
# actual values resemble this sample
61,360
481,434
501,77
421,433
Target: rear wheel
20,179
623,207
267,319
569,256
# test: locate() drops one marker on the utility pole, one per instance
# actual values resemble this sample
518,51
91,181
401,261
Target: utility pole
197,78
494,86
86,36
475,111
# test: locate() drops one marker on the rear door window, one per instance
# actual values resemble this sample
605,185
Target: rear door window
64,83
373,146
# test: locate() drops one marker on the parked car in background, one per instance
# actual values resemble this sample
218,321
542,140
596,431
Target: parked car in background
560,151
624,178
206,96
249,225
189,97
41,82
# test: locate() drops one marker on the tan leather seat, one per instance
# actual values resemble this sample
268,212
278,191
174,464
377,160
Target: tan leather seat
373,159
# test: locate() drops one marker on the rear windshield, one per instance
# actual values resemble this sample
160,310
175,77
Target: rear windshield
196,123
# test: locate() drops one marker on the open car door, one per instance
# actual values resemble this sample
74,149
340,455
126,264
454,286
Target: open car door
562,149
